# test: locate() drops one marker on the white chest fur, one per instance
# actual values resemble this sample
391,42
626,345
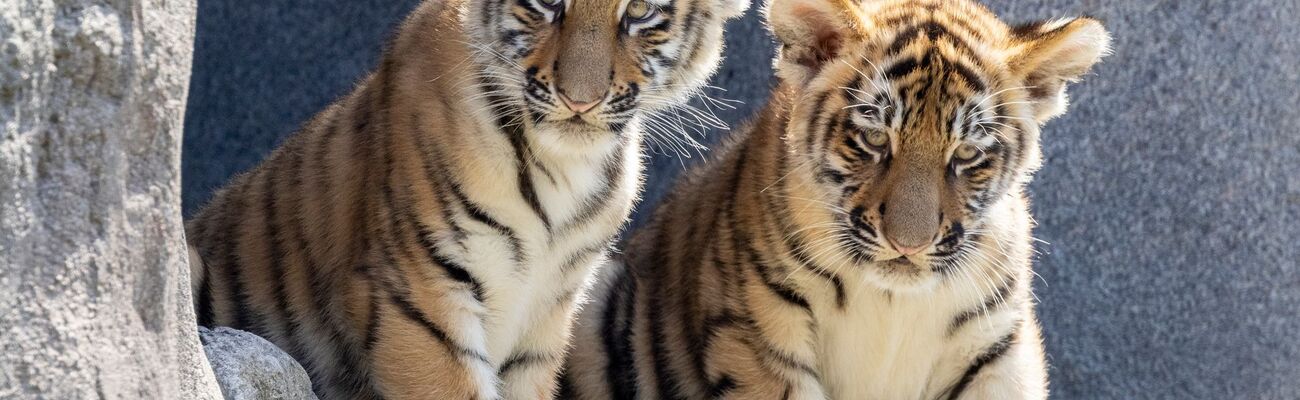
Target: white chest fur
531,276
899,346
879,348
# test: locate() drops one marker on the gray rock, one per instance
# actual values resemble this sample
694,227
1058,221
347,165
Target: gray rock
250,368
94,299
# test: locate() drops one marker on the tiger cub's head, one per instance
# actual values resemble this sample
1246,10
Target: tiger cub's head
914,118
582,70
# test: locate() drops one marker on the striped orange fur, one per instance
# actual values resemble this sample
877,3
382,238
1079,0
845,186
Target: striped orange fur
866,237
430,234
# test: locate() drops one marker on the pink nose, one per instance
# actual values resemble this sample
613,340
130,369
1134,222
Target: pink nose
578,106
907,251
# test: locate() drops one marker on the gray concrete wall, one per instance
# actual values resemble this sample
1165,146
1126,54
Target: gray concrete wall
94,299
1169,200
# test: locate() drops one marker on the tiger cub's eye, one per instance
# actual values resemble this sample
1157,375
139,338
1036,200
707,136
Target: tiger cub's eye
639,10
966,152
877,138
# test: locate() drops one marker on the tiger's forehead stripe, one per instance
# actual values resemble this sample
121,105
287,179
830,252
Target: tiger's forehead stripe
936,62
922,33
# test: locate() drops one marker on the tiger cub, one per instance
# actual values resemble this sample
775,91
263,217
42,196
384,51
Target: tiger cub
867,237
430,234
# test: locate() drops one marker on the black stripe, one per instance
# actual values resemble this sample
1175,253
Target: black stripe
901,69
816,118
616,332
472,209
665,381
451,268
990,355
716,323
936,31
665,378
240,317
969,75
490,8
520,360
477,213
997,299
798,253
515,133
789,361
903,39
567,391
275,248
415,315
204,309
373,325
448,215
455,270
790,295
574,260
723,387
963,25
955,233
545,172
690,31
599,201
533,13
526,187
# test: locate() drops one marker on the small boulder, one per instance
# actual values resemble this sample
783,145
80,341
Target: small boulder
251,368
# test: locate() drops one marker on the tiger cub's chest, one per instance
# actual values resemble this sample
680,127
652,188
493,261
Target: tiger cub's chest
532,273
882,348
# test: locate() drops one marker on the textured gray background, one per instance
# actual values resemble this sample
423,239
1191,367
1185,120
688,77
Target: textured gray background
1170,197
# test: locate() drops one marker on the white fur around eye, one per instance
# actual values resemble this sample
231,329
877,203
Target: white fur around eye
551,8
864,121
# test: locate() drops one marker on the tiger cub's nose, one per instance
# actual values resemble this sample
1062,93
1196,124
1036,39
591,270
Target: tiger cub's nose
579,106
905,250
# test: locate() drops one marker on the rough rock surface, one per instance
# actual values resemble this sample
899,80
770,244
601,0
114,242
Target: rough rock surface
1170,194
250,368
93,280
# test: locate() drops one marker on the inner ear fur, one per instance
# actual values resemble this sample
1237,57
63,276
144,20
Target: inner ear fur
811,32
1053,54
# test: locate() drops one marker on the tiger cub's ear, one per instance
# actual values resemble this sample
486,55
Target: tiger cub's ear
1050,55
811,33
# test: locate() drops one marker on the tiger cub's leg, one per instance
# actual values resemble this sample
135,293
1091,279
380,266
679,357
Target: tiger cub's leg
746,364
765,350
1013,368
530,372
428,342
